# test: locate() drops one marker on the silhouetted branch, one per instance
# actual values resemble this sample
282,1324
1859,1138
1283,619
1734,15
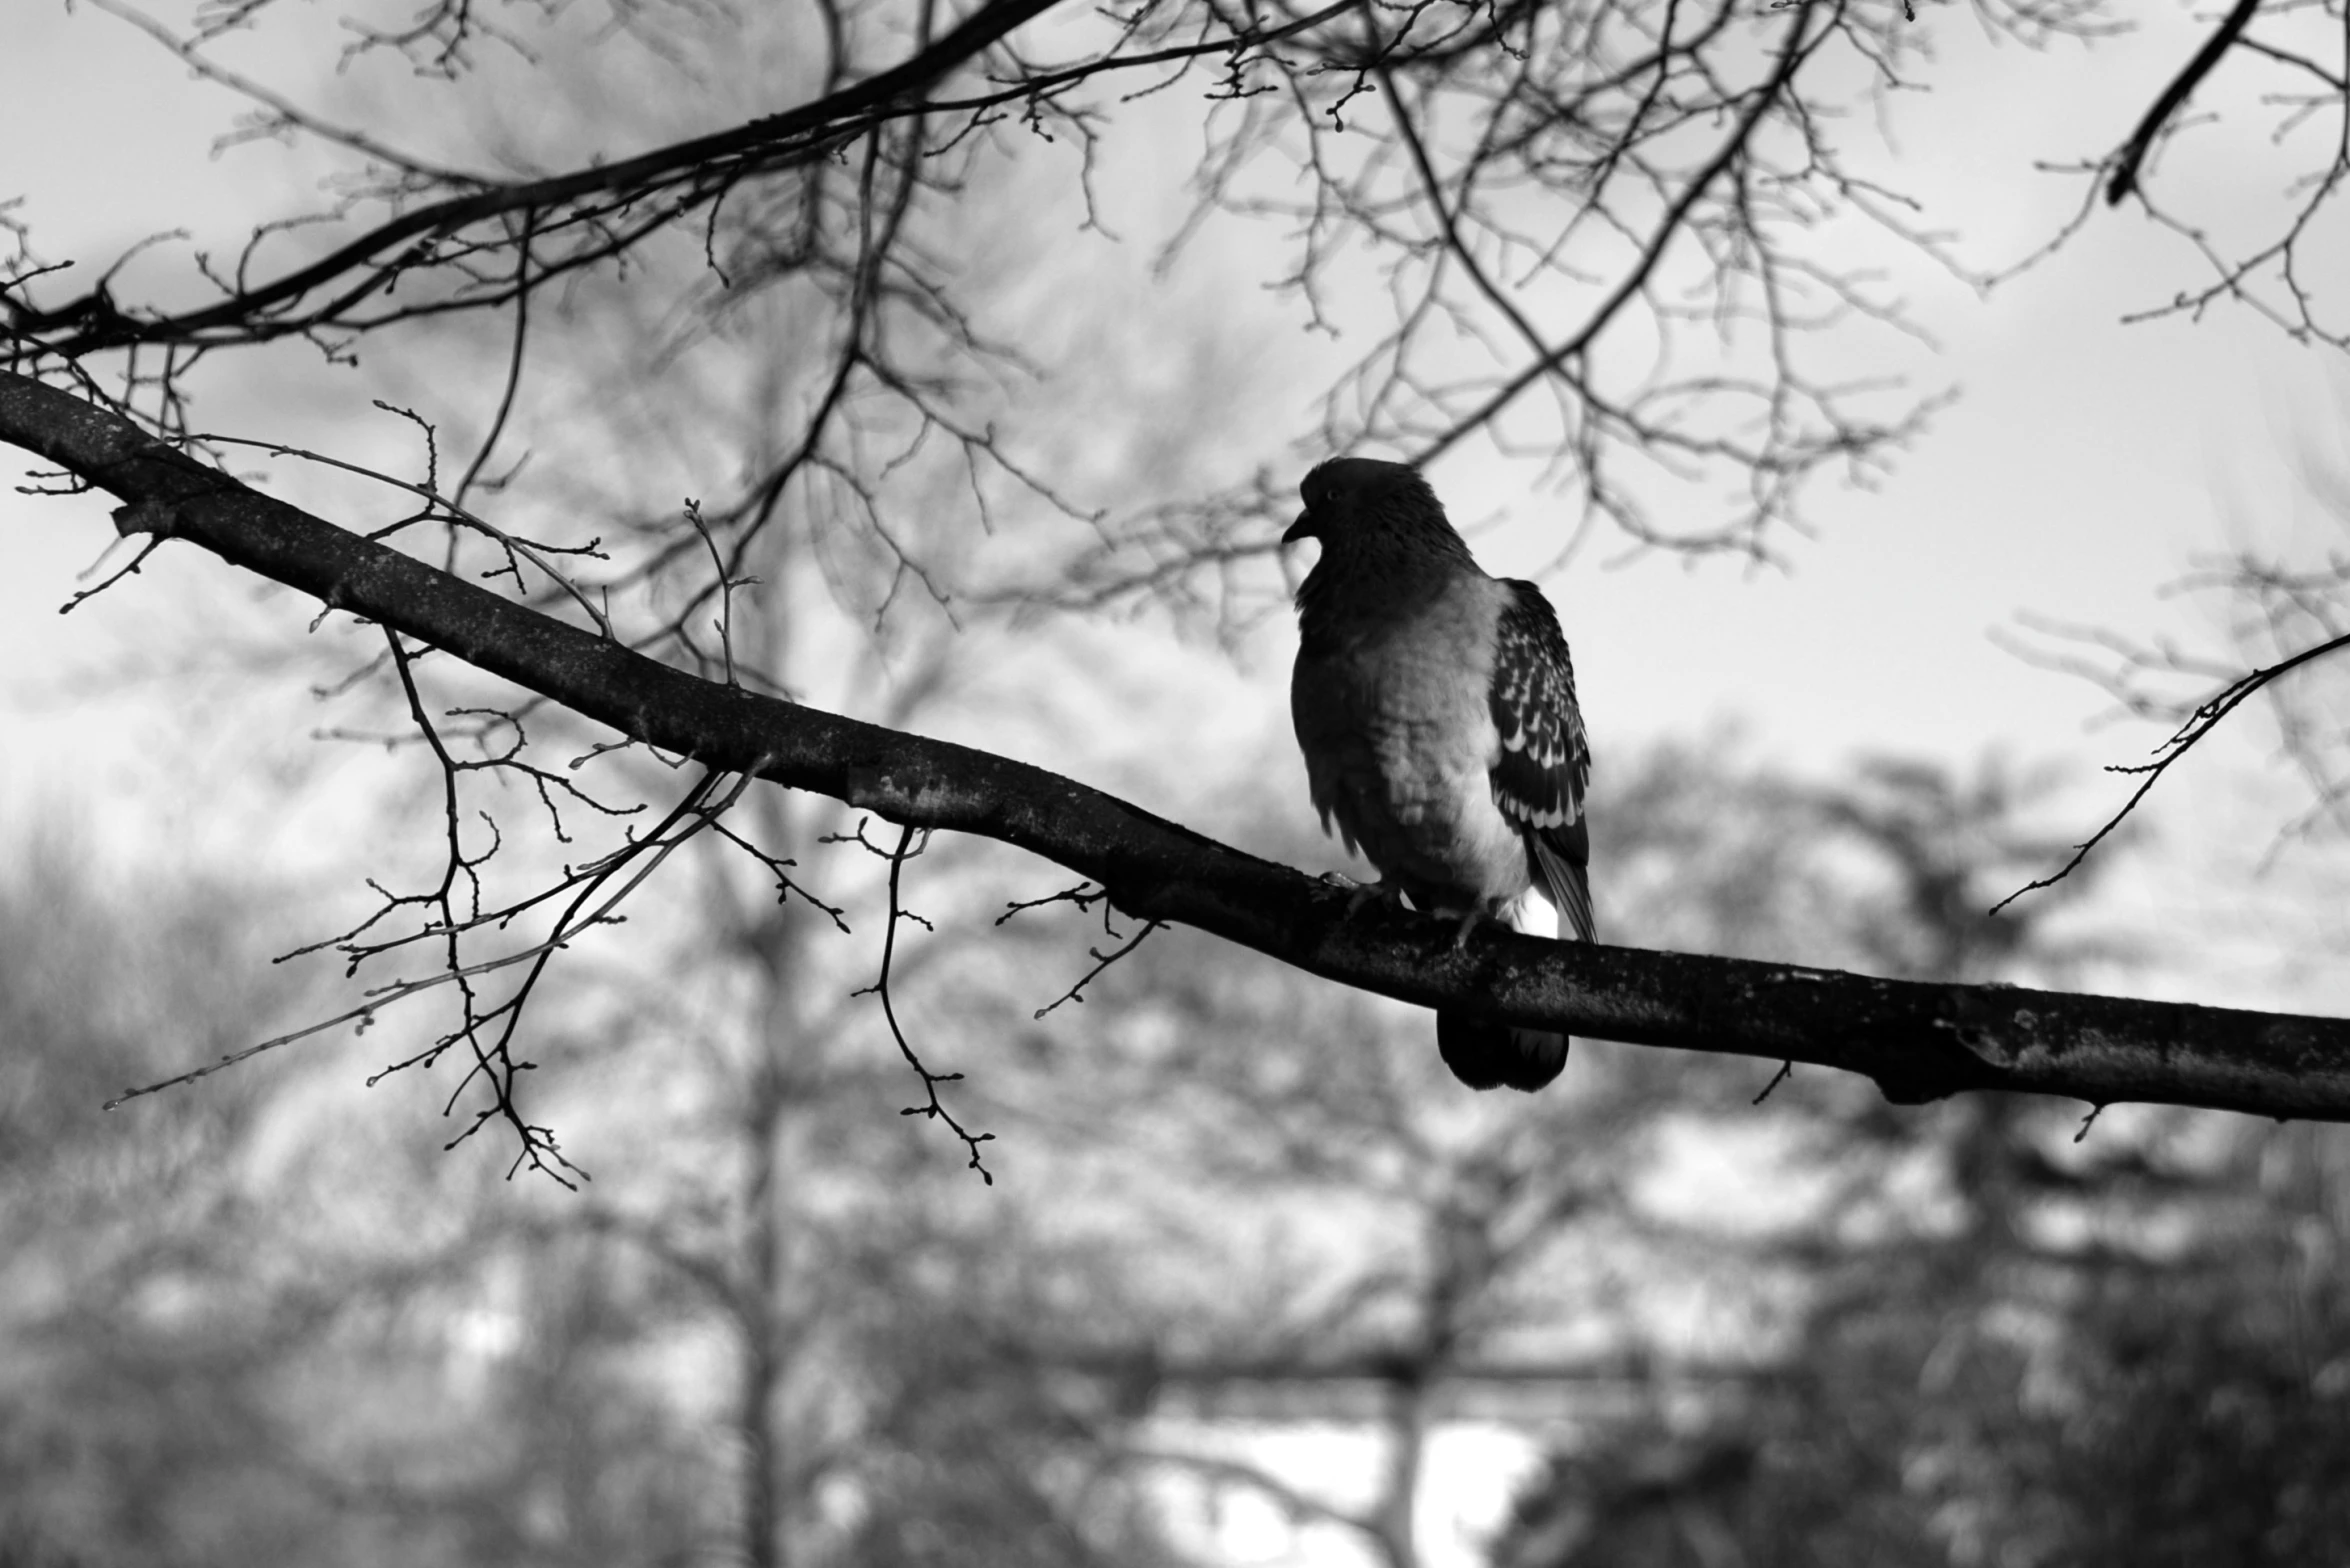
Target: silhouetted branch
674,179
1102,961
936,1109
2193,723
1918,1041
2141,142
1794,49
711,162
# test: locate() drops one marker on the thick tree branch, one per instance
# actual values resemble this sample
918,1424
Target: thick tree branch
1918,1041
2133,154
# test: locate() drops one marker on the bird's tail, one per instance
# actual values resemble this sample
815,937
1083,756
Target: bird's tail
1488,1055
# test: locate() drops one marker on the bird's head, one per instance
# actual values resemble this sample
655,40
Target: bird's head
1361,500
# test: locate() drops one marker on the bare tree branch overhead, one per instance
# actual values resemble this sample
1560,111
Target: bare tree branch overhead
809,297
1918,1041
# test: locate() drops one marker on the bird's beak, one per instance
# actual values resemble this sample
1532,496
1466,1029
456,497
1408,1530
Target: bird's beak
1303,528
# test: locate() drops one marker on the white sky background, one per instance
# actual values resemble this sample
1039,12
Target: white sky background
2086,463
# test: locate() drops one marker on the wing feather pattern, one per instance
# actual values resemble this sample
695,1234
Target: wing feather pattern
1545,764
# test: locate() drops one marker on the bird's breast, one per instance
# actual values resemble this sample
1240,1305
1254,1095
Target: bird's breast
1397,730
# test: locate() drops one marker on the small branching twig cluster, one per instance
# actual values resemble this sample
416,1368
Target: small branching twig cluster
1530,185
2139,676
2278,266
1083,897
911,843
445,918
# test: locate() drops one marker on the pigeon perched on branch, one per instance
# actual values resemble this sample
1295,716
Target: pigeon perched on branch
1436,709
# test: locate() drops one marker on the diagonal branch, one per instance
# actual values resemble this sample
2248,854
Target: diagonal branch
2141,142
708,166
1919,1041
2198,724
731,148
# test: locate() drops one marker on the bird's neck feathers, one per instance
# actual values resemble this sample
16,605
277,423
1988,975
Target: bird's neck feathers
1377,568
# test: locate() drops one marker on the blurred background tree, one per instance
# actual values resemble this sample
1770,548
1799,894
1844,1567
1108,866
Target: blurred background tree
1253,1281
1253,1286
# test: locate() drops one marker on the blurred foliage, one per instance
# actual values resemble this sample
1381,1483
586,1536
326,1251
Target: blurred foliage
2119,1340
259,1321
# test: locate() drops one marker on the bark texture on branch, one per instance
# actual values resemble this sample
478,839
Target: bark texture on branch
1918,1041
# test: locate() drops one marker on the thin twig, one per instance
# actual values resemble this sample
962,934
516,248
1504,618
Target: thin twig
1102,961
2201,722
936,1110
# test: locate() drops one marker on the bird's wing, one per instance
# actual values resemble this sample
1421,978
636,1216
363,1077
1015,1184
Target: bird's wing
1545,761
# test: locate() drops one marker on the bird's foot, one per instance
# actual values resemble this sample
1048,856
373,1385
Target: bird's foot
1460,938
1361,893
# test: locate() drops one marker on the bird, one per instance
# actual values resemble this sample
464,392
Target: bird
1435,706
